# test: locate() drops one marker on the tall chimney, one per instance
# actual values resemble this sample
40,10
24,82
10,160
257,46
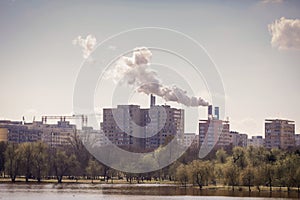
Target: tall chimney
217,113
210,110
152,100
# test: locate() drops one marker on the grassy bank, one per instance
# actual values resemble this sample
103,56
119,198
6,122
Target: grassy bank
166,183
86,181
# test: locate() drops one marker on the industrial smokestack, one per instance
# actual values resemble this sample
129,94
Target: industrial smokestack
217,113
210,110
152,100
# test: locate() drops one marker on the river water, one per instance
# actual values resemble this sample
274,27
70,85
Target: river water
125,192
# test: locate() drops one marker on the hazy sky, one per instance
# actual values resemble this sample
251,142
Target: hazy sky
39,64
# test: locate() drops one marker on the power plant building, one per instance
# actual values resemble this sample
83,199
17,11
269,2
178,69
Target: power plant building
55,135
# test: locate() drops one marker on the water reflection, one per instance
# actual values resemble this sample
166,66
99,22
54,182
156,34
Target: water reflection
125,191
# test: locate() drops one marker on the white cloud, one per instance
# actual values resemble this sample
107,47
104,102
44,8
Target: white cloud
87,44
285,33
271,1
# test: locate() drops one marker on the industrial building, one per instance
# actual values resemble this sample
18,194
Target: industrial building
55,135
17,132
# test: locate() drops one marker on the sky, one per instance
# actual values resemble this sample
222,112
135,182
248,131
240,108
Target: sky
254,45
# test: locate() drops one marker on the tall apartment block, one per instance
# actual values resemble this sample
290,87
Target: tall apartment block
279,133
132,127
121,123
214,132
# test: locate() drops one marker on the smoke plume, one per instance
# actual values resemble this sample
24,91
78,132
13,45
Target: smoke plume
135,72
87,44
271,1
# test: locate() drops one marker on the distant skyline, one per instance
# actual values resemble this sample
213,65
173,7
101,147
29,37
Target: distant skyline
255,44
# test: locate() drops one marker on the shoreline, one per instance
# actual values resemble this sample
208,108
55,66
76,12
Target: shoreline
124,183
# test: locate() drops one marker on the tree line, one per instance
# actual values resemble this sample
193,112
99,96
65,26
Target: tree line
251,167
36,160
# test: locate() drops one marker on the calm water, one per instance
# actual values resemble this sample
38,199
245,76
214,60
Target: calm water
123,192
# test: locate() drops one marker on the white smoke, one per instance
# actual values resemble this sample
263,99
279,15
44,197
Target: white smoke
87,44
271,1
285,33
135,71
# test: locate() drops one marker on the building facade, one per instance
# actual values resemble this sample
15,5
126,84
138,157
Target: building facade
121,123
279,133
164,125
132,127
297,140
17,132
55,135
92,138
238,139
190,139
256,141
3,134
213,132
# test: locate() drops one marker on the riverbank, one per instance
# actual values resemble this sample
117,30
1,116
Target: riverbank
117,190
123,182
87,181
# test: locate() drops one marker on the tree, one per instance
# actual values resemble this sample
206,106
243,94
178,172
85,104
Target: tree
256,156
200,172
280,173
247,177
231,174
63,164
147,163
26,159
172,170
3,146
40,158
81,153
297,179
289,168
258,177
239,157
112,173
93,169
221,156
182,174
12,161
268,174
219,171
